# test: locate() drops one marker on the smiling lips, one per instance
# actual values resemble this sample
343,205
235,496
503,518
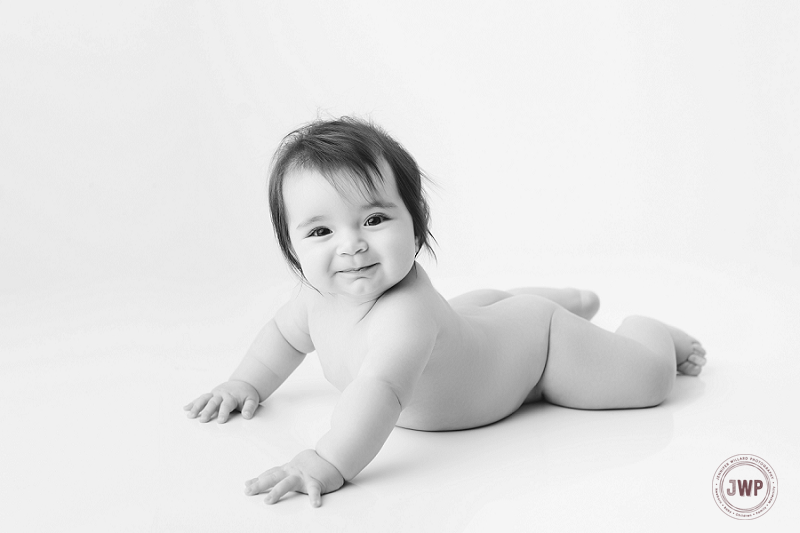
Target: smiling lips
356,270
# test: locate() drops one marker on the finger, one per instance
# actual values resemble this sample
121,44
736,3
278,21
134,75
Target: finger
249,407
196,405
314,493
287,484
228,404
265,481
210,408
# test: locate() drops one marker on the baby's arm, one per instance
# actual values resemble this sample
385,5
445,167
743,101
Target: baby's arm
276,352
400,344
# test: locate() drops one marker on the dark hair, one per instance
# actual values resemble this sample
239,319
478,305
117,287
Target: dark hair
355,147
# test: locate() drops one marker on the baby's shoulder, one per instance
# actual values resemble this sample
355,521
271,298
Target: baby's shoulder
409,305
402,323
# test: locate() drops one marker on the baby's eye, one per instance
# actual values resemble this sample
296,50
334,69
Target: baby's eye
374,220
319,232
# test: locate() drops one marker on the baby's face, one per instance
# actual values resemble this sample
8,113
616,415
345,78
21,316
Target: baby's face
347,244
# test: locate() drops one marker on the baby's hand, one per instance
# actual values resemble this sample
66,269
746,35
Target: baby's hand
225,398
307,473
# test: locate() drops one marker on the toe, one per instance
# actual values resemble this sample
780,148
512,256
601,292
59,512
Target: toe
698,348
697,359
690,369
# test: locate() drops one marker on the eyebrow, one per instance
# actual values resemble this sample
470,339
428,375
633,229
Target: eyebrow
379,204
371,205
310,221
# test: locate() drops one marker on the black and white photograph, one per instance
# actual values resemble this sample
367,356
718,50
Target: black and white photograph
399,266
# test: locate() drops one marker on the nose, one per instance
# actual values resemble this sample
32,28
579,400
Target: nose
351,243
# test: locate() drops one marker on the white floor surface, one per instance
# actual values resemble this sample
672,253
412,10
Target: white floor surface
95,438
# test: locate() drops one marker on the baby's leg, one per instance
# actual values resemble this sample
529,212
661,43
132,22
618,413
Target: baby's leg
590,368
479,298
583,303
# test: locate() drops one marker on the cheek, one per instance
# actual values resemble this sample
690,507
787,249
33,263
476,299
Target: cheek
405,243
308,256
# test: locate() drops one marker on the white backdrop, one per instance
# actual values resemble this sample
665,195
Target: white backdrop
643,150
136,139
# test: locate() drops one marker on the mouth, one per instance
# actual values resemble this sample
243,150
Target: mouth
357,270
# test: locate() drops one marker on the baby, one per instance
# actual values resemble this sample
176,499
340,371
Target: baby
350,217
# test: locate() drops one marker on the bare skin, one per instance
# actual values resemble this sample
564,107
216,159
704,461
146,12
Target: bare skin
403,355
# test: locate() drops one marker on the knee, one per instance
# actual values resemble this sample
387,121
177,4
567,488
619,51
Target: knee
657,360
660,384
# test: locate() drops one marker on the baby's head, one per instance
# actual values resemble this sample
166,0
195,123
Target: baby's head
346,152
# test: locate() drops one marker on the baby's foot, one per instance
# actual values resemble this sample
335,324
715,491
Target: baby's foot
590,304
689,353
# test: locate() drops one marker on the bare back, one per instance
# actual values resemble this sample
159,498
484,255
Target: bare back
484,364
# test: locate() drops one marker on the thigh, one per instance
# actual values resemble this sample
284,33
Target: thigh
582,303
569,299
591,368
